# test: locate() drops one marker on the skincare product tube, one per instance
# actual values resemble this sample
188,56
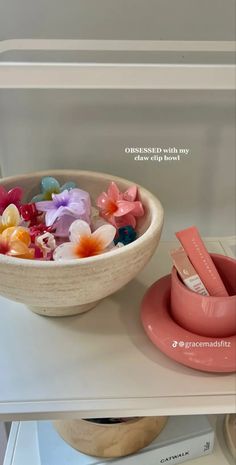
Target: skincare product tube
186,271
201,261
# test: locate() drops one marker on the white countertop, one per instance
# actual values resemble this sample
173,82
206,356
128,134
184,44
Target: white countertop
101,363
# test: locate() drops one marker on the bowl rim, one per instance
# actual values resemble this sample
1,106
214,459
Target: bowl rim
131,421
195,295
112,425
156,220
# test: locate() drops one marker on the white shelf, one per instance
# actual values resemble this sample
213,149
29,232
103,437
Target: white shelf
23,447
49,75
101,363
116,76
118,45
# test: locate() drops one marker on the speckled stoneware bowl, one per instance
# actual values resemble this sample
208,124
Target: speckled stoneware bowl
70,287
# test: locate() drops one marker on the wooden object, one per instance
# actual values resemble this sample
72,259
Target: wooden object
230,433
106,440
63,289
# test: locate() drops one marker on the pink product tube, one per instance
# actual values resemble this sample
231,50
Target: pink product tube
186,271
201,261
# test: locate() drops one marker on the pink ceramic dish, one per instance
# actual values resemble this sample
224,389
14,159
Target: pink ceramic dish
198,352
206,315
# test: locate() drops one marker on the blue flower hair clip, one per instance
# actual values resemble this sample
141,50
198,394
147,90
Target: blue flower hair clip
51,186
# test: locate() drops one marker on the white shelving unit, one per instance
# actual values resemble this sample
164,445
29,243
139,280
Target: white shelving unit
117,75
101,363
90,366
23,446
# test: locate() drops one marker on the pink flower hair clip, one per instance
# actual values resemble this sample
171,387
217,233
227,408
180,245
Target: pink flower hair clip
120,209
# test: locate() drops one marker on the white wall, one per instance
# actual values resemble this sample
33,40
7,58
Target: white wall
90,130
118,19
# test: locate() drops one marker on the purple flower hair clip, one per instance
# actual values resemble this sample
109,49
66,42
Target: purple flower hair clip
64,208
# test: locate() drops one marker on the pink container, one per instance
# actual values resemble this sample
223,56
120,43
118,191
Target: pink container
206,315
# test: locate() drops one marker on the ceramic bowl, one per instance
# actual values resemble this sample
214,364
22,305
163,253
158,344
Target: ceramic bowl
70,287
110,440
206,315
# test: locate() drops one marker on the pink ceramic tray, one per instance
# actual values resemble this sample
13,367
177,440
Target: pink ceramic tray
199,352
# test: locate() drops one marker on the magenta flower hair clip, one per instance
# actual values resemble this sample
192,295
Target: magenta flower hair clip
13,196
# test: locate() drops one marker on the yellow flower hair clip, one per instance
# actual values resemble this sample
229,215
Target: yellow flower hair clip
10,218
15,241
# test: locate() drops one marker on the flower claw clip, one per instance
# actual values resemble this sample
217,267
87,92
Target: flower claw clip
30,214
64,208
15,241
46,244
38,230
10,217
120,209
49,186
84,243
125,235
13,196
